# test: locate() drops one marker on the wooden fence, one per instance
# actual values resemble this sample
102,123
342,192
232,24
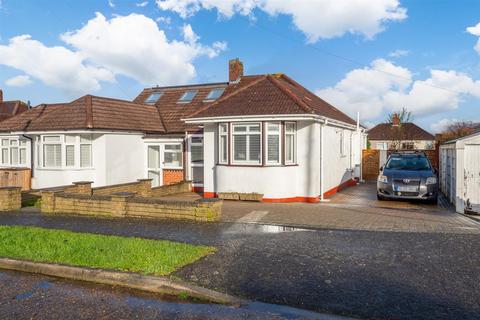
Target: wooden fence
371,162
16,177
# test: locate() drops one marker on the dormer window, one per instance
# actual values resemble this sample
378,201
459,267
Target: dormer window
215,94
153,98
188,96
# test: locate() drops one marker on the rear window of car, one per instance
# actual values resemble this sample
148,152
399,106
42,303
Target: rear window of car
408,163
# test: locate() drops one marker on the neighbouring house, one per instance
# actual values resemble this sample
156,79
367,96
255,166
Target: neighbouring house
262,134
9,109
400,136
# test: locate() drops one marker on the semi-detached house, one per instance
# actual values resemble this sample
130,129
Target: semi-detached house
261,134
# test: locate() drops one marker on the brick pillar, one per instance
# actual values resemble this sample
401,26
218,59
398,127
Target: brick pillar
10,198
119,203
48,202
144,188
82,187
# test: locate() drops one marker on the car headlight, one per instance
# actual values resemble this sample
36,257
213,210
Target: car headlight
382,178
431,180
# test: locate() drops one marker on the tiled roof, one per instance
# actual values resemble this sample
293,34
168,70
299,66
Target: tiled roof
173,112
10,108
271,95
88,112
408,131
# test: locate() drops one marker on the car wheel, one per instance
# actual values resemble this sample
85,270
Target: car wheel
433,201
380,197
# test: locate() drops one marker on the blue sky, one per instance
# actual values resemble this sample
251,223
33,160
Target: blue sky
373,57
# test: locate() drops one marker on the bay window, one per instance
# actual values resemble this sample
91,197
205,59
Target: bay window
247,143
273,143
290,143
223,143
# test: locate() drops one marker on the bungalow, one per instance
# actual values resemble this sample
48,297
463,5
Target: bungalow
10,108
261,134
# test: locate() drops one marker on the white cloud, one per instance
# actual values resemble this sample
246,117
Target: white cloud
321,19
111,4
386,87
475,30
55,66
399,53
142,4
166,20
134,46
442,124
131,45
19,81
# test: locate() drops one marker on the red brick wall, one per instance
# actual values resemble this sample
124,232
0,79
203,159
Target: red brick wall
171,176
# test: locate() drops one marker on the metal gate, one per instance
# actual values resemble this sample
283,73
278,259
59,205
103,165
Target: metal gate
472,178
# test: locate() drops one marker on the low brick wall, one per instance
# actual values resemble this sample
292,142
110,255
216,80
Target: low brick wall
179,187
141,187
128,205
171,176
10,198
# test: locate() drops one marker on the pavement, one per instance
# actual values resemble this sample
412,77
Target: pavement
370,270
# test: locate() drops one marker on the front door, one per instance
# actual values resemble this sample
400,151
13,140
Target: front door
163,156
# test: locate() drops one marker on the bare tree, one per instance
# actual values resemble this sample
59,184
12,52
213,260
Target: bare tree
403,116
458,129
398,133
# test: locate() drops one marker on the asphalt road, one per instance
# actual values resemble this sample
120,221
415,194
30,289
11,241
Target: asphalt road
364,274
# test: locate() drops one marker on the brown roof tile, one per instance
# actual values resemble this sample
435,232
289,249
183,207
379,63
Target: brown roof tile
88,112
408,131
10,108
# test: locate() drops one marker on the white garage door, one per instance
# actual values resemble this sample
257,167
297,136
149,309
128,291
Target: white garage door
472,176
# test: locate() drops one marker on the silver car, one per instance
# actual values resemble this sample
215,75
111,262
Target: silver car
408,176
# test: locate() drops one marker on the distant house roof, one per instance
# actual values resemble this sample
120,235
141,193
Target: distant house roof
408,131
270,95
10,108
87,112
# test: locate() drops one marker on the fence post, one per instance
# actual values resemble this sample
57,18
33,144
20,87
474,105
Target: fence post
82,187
48,202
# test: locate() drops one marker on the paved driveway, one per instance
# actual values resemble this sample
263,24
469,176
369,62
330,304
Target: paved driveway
354,208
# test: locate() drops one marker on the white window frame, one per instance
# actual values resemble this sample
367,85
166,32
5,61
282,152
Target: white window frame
247,133
77,143
294,134
165,151
343,144
220,148
13,143
273,133
196,164
158,169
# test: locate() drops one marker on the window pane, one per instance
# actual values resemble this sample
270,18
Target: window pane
85,138
223,149
196,153
215,94
273,148
52,155
153,157
240,148
153,98
51,138
14,155
5,156
173,147
173,159
273,127
5,142
70,156
223,128
197,140
197,174
289,127
238,128
254,128
289,148
254,148
85,155
13,142
155,176
188,96
23,156
70,139
23,143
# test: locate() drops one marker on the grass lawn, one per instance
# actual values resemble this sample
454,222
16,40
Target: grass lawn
154,257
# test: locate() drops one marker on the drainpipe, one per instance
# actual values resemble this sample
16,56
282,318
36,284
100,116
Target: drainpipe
322,170
32,161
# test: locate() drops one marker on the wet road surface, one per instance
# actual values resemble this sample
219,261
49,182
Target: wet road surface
364,274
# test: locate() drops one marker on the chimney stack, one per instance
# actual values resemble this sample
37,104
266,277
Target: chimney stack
395,120
235,70
1,96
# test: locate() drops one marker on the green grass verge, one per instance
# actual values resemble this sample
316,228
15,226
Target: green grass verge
154,257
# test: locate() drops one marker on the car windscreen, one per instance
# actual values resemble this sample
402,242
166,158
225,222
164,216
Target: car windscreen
408,163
